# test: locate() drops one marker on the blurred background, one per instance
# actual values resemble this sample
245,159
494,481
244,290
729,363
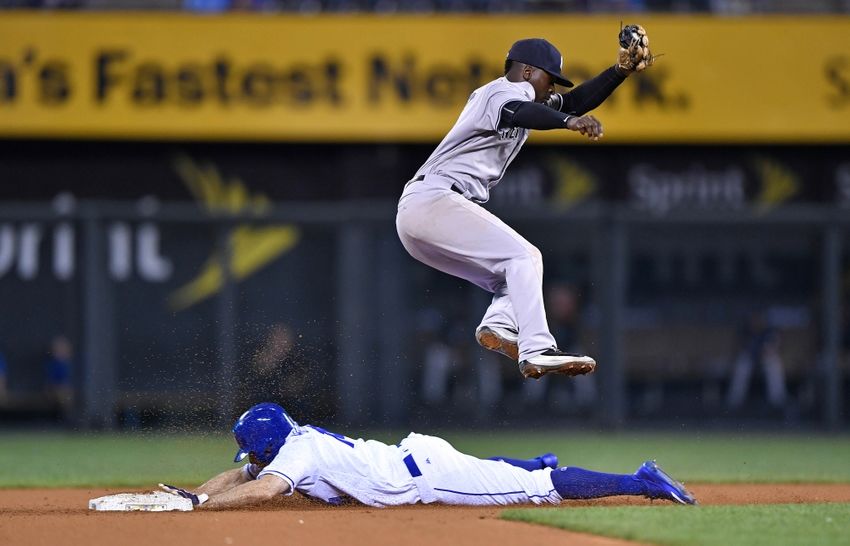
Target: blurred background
197,205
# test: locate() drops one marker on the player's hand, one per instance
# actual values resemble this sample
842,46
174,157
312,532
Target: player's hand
587,125
197,500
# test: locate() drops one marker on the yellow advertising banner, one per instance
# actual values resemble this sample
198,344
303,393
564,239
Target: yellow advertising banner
405,78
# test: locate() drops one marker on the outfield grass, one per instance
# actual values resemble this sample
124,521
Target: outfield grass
698,457
58,460
768,525
143,459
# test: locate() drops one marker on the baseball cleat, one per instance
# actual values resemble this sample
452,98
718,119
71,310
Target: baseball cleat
499,339
556,361
661,486
548,460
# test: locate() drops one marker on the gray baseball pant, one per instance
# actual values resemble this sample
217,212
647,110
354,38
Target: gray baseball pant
443,229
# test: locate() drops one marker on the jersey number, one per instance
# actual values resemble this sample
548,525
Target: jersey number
339,437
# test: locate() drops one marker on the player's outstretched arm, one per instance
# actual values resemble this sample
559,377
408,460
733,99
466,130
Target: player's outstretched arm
588,95
224,481
532,115
216,485
633,56
252,492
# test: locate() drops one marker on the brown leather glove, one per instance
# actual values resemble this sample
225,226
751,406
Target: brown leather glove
634,54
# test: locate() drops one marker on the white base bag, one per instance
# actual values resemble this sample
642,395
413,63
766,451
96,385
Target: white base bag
156,501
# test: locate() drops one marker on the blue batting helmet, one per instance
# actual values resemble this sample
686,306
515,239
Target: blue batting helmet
261,431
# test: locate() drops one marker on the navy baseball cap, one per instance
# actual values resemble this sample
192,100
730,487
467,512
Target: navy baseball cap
540,53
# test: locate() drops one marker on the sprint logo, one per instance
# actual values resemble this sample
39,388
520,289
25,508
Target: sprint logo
252,247
778,184
573,183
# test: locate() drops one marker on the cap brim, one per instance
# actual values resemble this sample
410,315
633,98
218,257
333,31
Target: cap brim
561,80
240,455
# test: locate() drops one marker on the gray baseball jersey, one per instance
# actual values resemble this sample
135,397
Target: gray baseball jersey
476,153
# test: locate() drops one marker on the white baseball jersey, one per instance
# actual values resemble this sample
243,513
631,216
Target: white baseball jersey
476,153
335,468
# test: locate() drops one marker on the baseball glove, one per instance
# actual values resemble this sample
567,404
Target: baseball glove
634,54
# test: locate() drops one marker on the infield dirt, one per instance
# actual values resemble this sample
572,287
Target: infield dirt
61,517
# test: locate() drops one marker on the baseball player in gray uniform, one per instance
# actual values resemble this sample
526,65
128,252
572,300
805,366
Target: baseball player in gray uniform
440,219
285,457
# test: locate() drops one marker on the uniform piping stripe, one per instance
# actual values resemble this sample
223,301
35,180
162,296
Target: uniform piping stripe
278,473
501,108
493,494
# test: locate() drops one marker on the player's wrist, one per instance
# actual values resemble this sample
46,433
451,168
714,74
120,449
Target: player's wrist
621,71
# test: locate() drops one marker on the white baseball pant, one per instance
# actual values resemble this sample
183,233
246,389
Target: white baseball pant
443,474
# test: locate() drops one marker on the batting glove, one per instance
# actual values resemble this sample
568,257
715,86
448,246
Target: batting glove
197,500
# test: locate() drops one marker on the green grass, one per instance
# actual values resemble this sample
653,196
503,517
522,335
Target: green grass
699,457
768,525
58,460
143,459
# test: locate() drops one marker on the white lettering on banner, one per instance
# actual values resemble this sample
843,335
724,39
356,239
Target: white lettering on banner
20,248
521,186
63,251
7,249
28,243
120,244
842,185
660,191
63,238
151,264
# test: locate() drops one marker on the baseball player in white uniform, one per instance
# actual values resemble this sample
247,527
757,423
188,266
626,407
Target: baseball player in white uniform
441,221
286,457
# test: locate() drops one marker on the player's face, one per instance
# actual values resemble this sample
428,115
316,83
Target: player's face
543,83
254,460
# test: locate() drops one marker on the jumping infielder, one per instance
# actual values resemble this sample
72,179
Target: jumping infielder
286,457
440,220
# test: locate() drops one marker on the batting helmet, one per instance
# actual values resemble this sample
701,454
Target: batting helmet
261,431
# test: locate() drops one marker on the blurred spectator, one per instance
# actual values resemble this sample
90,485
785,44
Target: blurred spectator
255,5
47,4
758,346
58,365
4,385
280,373
563,311
726,7
207,5
443,358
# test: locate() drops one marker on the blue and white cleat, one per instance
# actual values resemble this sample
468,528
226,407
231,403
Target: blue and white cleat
548,460
661,486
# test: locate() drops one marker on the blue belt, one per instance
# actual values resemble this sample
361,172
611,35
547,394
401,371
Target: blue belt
411,466
426,493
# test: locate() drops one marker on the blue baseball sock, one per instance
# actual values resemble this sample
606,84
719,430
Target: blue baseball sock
577,483
528,464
